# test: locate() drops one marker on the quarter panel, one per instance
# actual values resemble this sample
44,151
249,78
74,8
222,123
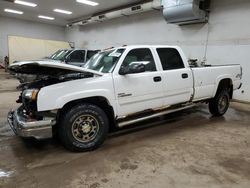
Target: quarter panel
207,79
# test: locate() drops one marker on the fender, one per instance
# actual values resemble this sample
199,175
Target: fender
218,80
54,97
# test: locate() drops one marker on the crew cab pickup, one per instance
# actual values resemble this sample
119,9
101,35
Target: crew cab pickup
116,88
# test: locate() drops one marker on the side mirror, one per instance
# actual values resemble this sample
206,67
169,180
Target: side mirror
123,70
134,67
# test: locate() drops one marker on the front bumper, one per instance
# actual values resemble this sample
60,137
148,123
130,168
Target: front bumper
39,129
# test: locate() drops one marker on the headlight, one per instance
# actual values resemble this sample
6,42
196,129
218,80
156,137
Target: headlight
30,94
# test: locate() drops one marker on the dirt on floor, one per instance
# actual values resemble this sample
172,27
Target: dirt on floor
185,149
7,82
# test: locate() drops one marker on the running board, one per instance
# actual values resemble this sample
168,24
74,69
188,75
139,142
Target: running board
129,122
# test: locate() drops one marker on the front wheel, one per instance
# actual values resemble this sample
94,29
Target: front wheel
83,128
219,105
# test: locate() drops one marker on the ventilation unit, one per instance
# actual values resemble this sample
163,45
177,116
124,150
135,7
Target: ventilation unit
152,5
132,10
185,11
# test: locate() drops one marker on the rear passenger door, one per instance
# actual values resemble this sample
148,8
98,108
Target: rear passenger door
177,79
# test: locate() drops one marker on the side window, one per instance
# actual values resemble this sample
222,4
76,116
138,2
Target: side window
77,56
140,54
91,53
170,58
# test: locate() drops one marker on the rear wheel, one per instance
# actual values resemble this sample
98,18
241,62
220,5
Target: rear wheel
83,128
218,106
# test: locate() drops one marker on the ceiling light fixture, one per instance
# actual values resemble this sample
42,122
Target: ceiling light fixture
62,11
46,17
25,3
13,11
87,2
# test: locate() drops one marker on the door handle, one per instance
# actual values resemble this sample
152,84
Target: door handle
157,79
184,75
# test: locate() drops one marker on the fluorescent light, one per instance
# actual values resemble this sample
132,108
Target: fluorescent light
13,11
87,2
46,17
25,3
62,11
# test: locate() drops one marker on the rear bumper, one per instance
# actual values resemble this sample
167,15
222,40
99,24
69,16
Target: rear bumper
39,129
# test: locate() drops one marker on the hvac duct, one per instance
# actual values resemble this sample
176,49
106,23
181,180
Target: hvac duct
153,5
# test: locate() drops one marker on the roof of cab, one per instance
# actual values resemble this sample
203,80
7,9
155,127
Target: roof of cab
147,46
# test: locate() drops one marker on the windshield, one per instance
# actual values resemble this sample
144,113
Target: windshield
60,55
104,61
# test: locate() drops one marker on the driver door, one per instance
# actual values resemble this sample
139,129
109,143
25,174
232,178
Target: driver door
139,91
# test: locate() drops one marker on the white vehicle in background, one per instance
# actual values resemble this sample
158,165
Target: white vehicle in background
77,57
116,88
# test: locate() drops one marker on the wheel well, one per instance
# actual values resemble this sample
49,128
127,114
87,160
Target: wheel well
99,101
226,84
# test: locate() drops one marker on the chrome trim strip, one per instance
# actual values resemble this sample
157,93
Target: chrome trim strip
129,122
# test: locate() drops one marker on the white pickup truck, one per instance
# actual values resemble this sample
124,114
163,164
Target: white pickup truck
115,88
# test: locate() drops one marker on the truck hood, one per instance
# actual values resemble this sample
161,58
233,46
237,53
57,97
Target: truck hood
42,67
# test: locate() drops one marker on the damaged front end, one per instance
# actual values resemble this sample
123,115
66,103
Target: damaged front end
26,121
25,126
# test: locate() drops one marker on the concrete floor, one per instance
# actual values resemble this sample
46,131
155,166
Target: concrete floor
185,149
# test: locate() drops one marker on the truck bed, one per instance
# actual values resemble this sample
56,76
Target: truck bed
205,87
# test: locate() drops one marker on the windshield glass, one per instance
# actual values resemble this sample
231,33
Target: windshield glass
60,55
104,61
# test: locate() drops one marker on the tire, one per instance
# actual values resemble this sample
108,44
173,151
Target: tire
83,127
219,105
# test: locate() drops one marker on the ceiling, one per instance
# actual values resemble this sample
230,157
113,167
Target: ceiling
46,7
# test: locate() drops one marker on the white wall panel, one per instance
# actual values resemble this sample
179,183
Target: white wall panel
23,48
16,27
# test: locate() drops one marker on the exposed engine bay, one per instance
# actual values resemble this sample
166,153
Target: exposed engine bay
40,82
33,77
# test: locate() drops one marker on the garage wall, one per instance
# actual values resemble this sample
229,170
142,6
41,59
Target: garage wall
24,49
224,40
17,27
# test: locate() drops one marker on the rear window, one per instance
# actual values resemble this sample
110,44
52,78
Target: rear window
170,58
